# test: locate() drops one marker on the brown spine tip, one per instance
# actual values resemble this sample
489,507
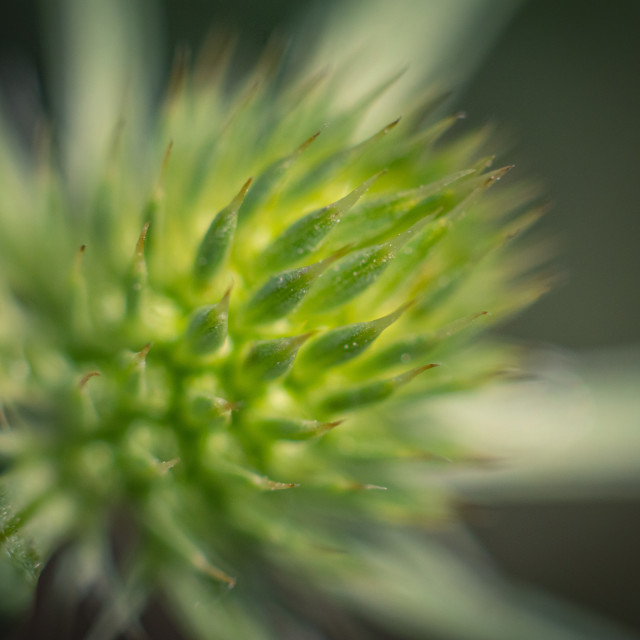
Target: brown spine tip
497,175
410,375
167,155
163,169
86,378
298,341
140,358
229,406
224,301
141,240
392,125
245,187
340,253
202,564
323,427
307,142
79,257
403,308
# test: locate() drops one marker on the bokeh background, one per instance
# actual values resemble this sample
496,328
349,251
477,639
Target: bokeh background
561,82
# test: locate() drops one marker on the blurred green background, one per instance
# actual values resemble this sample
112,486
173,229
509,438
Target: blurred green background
561,82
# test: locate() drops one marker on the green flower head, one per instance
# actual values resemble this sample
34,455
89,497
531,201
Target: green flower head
214,343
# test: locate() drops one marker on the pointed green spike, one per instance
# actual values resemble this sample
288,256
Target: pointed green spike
344,124
344,343
295,429
323,170
428,137
268,180
307,234
205,408
282,293
355,273
215,245
366,144
269,359
349,278
497,175
378,217
408,261
410,349
134,373
208,327
351,399
137,274
414,197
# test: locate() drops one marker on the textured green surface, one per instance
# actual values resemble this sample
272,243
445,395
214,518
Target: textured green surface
222,316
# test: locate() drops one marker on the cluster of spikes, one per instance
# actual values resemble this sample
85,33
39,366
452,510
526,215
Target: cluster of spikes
244,321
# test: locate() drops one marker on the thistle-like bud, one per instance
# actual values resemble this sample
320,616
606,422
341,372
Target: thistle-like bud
132,383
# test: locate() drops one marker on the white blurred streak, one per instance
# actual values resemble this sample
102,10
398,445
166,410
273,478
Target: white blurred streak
101,57
438,41
570,432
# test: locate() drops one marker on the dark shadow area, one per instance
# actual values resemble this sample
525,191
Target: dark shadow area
584,552
562,80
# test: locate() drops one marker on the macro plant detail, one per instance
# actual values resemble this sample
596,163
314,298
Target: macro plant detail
213,343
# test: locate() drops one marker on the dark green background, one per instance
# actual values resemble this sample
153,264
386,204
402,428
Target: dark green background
564,77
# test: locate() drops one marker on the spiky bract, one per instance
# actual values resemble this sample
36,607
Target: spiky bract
204,343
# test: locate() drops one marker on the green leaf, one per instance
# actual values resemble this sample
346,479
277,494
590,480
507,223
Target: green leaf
208,327
344,343
307,234
216,242
269,359
368,394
